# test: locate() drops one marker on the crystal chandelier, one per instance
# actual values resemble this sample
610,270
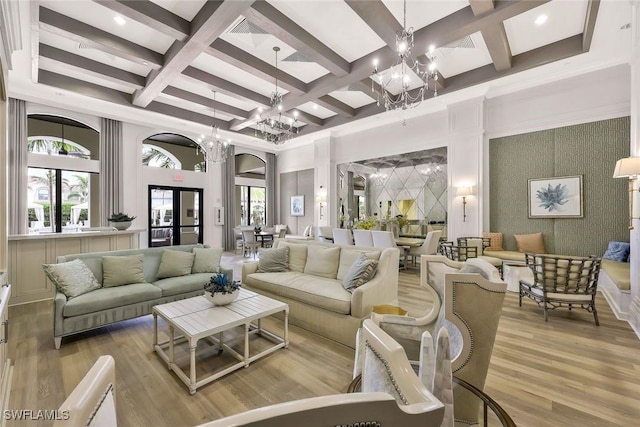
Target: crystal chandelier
275,128
399,77
214,149
378,178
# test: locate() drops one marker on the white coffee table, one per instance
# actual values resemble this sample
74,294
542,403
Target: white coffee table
513,272
197,318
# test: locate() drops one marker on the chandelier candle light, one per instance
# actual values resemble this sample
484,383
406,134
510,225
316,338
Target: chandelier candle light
403,72
214,149
275,128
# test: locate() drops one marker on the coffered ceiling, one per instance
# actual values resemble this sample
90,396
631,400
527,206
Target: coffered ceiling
169,56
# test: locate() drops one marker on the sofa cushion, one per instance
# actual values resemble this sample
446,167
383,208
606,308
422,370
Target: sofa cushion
617,251
106,298
175,263
297,255
273,260
496,241
317,291
72,278
530,243
206,260
178,285
347,258
361,271
122,270
506,255
618,272
322,261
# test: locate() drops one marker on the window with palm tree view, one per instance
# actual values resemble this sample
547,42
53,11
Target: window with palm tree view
62,174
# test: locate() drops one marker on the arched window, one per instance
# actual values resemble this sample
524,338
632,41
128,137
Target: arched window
172,151
62,173
158,157
251,192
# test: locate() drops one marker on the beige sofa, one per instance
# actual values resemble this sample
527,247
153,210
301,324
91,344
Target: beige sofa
313,287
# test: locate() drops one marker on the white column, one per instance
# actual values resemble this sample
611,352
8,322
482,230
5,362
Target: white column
634,238
325,176
464,161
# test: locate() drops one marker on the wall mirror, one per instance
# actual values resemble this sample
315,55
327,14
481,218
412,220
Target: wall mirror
413,185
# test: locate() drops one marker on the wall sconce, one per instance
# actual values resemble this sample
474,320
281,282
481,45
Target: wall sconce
321,198
628,168
464,192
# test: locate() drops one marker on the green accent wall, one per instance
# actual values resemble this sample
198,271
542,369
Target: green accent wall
590,150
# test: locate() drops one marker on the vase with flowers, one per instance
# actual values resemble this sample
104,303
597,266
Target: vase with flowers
221,290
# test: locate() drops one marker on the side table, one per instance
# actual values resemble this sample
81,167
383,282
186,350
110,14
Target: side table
513,272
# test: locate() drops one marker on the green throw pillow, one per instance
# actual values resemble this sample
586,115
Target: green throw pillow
72,278
361,271
122,270
274,260
175,263
207,260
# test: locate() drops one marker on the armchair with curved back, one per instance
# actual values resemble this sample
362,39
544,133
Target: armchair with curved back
468,305
392,395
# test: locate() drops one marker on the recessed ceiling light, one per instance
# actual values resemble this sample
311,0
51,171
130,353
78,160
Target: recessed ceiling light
119,20
541,19
315,106
145,62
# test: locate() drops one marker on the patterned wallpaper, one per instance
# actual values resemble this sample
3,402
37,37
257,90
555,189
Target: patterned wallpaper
589,149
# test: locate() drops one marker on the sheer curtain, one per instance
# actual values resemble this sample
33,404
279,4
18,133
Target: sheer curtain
111,176
270,178
17,132
229,199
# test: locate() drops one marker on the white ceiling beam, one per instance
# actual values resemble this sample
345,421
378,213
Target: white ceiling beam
276,23
210,22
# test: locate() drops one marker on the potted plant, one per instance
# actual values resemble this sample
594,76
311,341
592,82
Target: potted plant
220,290
121,221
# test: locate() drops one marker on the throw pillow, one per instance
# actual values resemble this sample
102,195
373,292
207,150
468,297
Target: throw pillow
275,260
496,241
175,263
322,261
361,271
530,243
617,251
72,278
297,255
122,270
206,260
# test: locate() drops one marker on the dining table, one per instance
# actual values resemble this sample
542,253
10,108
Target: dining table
406,243
264,237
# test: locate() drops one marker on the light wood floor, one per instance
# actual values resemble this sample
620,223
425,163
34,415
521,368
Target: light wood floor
566,372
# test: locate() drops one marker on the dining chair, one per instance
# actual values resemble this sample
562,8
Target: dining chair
342,236
429,247
325,234
385,239
249,243
282,233
363,237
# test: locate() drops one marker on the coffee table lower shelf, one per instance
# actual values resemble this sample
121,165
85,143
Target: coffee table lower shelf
197,319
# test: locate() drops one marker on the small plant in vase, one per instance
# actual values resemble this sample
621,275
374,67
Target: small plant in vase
220,290
121,221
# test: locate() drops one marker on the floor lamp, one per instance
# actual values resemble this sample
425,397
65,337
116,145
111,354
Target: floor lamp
628,167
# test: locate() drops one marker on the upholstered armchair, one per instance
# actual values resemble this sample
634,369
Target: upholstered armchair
392,395
467,301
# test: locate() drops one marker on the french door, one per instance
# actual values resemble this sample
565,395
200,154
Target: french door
175,216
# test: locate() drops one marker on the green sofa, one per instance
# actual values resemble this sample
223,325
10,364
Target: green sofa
108,305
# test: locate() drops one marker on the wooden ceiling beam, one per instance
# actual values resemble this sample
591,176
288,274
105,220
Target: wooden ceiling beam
495,37
88,66
276,23
481,6
151,15
224,86
377,17
69,28
335,105
237,57
210,22
185,95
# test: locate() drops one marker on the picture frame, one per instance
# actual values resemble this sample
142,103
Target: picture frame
297,205
557,197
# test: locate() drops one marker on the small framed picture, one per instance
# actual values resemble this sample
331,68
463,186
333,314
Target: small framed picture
297,205
559,197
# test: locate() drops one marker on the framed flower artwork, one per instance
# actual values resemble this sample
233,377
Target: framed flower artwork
558,197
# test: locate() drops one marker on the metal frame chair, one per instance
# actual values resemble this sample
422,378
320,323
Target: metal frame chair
559,281
457,253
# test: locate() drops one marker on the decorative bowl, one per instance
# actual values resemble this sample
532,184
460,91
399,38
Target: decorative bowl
219,298
121,225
